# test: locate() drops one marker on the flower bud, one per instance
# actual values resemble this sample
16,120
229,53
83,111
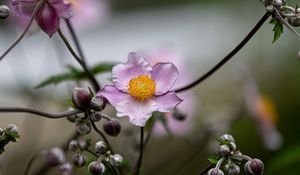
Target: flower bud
96,103
71,118
81,98
96,168
178,115
54,156
12,128
270,8
116,160
100,147
4,12
83,128
79,159
254,167
215,171
83,145
277,3
73,145
112,127
294,21
66,167
96,117
228,137
224,150
234,170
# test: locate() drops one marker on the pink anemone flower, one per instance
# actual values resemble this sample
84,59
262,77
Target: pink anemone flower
48,14
140,89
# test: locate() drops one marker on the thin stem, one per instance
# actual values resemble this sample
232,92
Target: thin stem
220,162
75,39
210,166
227,57
30,162
139,163
40,113
17,41
91,152
80,61
103,136
245,157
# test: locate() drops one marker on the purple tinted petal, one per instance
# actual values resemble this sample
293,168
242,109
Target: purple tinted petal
112,94
24,8
137,111
167,102
47,19
62,9
123,73
164,75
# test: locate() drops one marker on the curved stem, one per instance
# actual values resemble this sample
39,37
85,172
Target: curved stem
40,113
138,167
102,135
210,166
17,41
227,57
31,160
245,157
80,61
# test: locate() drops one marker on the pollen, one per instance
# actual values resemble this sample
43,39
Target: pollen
142,87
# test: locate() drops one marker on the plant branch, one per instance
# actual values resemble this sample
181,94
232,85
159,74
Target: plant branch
30,162
102,135
227,57
139,163
38,112
17,41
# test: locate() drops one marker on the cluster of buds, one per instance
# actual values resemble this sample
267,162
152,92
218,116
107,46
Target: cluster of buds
290,13
78,146
10,134
4,12
83,98
231,158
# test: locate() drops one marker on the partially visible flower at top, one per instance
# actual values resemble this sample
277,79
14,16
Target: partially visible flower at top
48,14
87,13
188,106
140,89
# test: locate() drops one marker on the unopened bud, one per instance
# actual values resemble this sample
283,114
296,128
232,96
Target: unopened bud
254,167
54,156
234,170
112,127
71,118
73,145
96,168
228,137
116,160
96,103
215,171
66,167
81,98
294,21
224,150
83,128
79,159
277,3
270,8
100,147
12,128
96,117
4,12
83,145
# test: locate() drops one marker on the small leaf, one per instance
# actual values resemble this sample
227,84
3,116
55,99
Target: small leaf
214,158
278,28
223,142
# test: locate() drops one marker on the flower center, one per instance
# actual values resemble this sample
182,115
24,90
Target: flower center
142,87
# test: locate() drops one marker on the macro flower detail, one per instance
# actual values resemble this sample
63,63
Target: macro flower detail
140,89
48,14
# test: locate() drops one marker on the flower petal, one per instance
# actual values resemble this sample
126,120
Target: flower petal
123,73
137,111
62,8
167,102
164,75
24,8
47,19
112,94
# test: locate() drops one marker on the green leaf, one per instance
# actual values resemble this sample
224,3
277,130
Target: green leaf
6,138
223,142
278,28
214,158
75,74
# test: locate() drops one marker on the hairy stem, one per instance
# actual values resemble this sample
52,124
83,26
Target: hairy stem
139,163
39,113
17,41
227,57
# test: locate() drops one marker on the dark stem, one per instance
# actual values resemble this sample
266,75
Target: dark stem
40,113
75,39
91,152
80,61
139,163
102,135
227,57
210,166
30,162
17,41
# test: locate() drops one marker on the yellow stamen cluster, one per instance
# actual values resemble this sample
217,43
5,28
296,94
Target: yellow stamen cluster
142,87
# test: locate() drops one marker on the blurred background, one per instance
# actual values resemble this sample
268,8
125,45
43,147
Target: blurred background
255,96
